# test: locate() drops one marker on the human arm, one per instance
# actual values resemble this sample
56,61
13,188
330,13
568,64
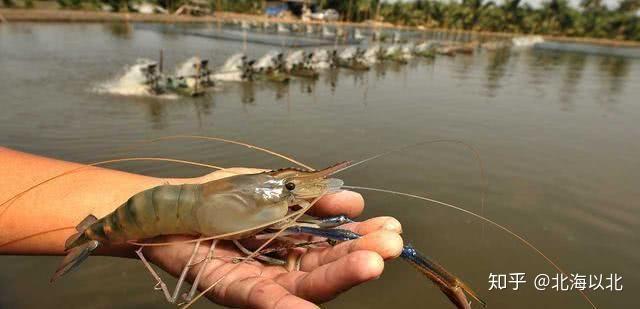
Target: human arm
59,204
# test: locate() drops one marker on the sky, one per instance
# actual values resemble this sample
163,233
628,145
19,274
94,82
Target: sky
536,3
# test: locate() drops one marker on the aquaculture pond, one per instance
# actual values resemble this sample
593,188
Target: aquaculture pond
557,133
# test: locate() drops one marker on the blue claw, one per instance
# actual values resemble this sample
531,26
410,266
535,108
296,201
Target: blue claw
449,284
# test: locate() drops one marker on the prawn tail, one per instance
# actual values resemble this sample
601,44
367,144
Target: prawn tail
75,256
449,284
78,248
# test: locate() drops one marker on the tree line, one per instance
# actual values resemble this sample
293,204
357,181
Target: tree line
554,17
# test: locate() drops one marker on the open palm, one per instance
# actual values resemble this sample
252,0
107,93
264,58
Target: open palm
324,272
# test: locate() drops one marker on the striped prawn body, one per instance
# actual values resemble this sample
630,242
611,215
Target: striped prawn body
147,214
240,206
217,207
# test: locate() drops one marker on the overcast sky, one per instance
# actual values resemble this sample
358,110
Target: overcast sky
536,3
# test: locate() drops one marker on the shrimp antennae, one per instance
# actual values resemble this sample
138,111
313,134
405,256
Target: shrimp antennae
299,213
250,146
323,173
296,214
36,234
474,151
485,219
9,202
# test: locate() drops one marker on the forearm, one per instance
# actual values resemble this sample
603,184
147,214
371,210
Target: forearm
40,221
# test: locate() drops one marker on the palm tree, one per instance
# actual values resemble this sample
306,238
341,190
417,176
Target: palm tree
469,13
557,17
594,21
513,15
629,6
554,17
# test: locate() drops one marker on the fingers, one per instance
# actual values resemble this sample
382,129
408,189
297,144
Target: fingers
326,282
347,203
336,269
386,244
374,224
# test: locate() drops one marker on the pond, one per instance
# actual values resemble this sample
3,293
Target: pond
557,133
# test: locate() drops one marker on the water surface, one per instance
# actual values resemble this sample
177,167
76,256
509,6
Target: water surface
557,133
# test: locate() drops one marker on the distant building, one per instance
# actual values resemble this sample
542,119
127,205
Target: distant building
279,8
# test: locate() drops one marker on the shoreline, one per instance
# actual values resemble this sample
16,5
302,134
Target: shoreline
55,15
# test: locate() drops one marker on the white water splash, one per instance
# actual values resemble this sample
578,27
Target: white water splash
235,62
407,50
236,76
267,61
424,46
392,50
320,59
396,37
282,28
357,35
188,68
348,53
294,58
371,54
527,41
131,83
232,69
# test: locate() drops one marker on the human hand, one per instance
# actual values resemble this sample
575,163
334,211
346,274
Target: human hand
324,272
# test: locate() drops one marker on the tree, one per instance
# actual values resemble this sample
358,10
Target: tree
513,15
629,6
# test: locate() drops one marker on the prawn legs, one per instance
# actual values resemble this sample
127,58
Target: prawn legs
161,285
325,228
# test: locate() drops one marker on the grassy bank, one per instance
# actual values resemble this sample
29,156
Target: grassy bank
55,15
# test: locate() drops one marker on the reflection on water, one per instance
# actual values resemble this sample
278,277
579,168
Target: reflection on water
157,114
541,65
331,79
616,69
573,74
121,30
555,130
248,93
496,69
380,70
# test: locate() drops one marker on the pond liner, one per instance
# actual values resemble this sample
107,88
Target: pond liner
270,39
627,52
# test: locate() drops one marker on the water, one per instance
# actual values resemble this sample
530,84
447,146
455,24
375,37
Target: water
557,133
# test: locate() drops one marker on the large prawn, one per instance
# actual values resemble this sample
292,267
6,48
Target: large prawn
238,207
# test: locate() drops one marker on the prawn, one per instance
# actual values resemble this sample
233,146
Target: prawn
234,208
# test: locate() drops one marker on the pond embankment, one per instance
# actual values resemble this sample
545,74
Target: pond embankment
59,15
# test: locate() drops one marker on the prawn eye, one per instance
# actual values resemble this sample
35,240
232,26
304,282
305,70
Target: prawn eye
290,186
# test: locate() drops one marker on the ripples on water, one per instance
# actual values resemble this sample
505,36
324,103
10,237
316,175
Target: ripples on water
557,132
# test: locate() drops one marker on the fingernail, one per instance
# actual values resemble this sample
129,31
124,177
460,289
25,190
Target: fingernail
393,225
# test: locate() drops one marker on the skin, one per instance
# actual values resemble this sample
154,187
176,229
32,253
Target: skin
62,203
